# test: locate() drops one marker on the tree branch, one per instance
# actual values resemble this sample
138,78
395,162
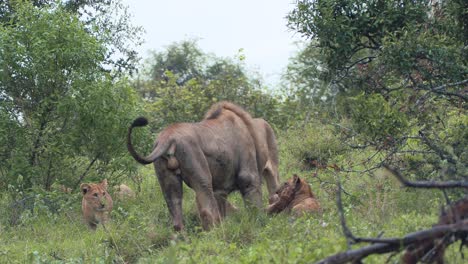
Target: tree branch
426,184
442,89
383,246
443,154
86,171
350,239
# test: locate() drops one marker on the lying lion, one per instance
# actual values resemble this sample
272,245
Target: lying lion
96,204
294,196
123,192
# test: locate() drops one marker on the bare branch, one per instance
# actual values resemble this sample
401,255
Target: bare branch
86,171
361,60
426,184
383,246
350,239
442,89
443,154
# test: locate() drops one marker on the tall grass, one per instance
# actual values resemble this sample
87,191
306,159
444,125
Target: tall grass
140,230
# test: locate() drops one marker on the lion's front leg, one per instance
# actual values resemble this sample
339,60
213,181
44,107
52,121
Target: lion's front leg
277,207
221,200
250,186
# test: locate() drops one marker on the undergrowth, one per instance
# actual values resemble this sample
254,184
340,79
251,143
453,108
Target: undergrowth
140,230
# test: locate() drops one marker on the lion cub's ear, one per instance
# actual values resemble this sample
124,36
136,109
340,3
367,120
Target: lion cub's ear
84,187
104,184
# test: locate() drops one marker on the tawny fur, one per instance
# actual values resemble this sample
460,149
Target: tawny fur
223,153
264,138
217,109
96,204
123,192
295,196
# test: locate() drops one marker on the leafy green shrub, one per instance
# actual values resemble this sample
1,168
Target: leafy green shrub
313,145
375,120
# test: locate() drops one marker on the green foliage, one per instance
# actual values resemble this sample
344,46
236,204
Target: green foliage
140,230
375,120
345,28
306,86
60,112
181,83
310,146
107,20
400,70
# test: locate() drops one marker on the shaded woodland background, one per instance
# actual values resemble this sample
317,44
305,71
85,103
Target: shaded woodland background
375,82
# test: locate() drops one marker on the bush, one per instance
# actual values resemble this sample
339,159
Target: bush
305,148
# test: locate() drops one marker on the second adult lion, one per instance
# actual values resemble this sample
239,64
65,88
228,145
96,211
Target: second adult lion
265,143
214,157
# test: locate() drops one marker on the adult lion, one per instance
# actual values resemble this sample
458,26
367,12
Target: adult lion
268,154
214,157
266,146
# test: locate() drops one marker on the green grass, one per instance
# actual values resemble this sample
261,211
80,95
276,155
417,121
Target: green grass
141,232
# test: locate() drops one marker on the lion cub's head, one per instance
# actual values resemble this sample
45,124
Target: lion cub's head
289,189
294,195
96,204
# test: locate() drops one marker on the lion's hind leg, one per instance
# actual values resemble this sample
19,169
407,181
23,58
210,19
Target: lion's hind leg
309,205
208,209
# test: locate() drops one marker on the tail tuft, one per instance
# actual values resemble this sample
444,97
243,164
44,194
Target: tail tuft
139,122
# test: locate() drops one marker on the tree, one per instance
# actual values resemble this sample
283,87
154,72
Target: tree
107,20
401,71
61,113
182,82
306,83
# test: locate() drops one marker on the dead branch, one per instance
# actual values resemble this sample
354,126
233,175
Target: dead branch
350,239
86,171
442,154
452,225
442,89
426,184
387,245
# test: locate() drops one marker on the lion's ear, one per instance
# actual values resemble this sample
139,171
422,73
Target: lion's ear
104,184
84,187
296,182
296,179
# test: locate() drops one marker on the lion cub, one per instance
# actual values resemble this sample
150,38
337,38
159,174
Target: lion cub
294,196
96,204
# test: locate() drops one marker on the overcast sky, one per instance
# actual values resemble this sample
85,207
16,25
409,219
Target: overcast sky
222,27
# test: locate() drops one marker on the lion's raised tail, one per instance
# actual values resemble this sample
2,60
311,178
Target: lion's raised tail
158,150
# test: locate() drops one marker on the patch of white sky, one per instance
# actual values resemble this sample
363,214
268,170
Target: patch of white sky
223,28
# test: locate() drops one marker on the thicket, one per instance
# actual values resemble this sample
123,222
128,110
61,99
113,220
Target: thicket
377,82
